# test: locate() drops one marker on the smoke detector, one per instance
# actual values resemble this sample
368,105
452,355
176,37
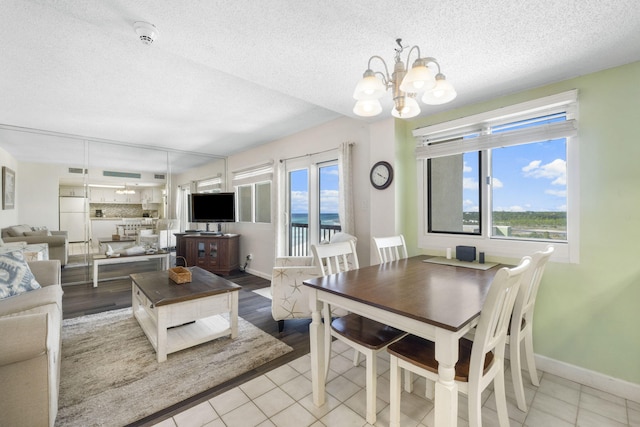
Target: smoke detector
147,32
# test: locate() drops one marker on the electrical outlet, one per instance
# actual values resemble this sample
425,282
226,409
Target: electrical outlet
250,256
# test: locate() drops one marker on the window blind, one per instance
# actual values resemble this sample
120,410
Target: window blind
259,173
480,132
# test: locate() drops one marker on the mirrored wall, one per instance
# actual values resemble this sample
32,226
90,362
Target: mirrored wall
102,186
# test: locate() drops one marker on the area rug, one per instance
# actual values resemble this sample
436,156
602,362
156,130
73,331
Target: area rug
110,376
264,292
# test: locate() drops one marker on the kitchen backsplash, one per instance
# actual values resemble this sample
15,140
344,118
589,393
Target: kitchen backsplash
114,210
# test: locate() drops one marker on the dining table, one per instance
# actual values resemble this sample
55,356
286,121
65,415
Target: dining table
438,302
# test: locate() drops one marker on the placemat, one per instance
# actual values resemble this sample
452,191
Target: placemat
457,263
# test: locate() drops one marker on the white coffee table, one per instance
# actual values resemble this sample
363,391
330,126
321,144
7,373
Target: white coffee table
99,260
175,317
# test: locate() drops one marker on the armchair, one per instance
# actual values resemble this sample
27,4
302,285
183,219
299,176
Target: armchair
289,297
30,330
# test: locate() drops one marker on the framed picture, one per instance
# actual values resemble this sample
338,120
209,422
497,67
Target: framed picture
8,188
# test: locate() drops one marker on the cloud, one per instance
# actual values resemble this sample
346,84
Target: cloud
329,171
557,193
469,184
496,183
299,201
466,168
469,206
555,171
329,201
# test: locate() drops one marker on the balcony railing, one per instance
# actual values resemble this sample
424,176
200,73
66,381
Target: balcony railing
299,237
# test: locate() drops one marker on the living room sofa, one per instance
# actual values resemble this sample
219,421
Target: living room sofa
58,241
30,337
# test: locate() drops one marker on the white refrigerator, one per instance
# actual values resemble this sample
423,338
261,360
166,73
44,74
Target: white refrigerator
74,217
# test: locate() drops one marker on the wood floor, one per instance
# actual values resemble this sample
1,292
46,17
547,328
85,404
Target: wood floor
81,298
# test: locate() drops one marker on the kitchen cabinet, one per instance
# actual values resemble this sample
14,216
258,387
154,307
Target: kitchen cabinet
109,195
151,195
217,254
71,191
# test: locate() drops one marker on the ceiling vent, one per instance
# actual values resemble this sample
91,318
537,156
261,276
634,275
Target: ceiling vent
147,32
159,176
121,174
78,171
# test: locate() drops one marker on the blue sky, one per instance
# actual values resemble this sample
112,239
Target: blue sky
529,177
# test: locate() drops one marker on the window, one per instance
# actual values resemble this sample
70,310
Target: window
253,190
504,181
312,200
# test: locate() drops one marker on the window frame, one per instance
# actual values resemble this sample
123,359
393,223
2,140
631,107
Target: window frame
250,178
498,247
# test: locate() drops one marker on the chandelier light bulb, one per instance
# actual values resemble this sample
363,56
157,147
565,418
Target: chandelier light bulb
367,108
370,87
419,78
442,93
410,109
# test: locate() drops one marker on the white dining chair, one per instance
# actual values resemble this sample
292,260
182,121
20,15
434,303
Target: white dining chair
480,362
364,335
521,329
390,248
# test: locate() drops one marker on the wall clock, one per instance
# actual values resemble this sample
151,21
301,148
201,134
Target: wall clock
381,175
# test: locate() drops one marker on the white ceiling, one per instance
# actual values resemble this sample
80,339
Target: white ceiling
225,76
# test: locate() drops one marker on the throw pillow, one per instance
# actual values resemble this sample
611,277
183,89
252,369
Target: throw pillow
38,233
18,230
15,275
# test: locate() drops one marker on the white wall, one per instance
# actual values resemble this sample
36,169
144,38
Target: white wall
382,207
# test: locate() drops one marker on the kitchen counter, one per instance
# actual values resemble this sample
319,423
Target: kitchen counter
118,218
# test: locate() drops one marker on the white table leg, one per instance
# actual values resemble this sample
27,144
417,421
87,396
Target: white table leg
233,315
446,390
316,337
95,274
161,352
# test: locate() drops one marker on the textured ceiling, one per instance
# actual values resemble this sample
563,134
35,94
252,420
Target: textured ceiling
226,76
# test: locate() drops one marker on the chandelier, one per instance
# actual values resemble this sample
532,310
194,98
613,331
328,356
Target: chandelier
405,86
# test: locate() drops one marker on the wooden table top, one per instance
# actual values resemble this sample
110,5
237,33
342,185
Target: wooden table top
445,296
161,290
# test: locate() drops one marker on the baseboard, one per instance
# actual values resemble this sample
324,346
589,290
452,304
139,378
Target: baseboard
258,273
615,386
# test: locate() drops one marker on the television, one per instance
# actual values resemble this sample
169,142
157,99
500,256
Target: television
212,207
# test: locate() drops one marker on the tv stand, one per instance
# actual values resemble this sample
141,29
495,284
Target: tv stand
217,253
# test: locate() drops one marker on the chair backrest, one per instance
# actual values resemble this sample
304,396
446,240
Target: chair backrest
336,257
390,248
526,300
491,332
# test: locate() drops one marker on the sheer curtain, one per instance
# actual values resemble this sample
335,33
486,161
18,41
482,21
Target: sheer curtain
345,171
182,207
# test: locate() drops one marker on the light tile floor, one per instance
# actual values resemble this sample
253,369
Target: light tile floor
282,398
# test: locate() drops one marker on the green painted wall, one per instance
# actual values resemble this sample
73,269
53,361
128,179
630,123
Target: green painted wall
587,314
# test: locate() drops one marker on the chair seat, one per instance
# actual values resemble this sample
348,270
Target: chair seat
422,353
366,332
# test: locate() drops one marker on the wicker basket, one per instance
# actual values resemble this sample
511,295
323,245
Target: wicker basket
180,275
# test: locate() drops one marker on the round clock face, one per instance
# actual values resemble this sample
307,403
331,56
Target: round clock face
381,175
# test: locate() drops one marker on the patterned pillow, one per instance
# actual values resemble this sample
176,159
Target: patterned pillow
15,275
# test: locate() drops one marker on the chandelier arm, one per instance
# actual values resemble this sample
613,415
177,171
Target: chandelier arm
409,55
386,78
431,60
